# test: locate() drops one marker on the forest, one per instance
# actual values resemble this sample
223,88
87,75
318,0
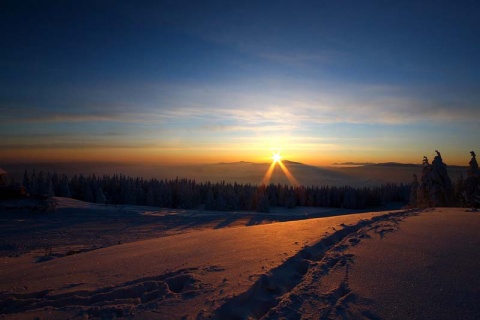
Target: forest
434,188
222,196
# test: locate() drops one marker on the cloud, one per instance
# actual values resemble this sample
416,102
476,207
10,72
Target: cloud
292,104
87,115
229,109
41,144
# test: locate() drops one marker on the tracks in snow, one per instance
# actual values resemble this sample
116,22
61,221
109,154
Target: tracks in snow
264,298
277,294
115,301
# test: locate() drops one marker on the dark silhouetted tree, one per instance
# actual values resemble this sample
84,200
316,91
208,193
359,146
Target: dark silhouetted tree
435,189
471,185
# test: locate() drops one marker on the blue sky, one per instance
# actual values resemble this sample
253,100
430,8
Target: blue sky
209,81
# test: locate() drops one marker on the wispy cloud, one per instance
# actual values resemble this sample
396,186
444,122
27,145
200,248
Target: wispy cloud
231,108
89,115
227,118
295,105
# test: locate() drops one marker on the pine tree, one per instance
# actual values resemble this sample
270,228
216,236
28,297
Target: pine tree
26,182
98,193
435,189
264,205
471,185
413,191
151,197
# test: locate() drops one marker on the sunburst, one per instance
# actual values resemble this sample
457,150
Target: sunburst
277,157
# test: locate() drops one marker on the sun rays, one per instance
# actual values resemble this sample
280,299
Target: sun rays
277,159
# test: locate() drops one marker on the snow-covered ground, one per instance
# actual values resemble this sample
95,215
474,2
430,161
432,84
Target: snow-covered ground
146,263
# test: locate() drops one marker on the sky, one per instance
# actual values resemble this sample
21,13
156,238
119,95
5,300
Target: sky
212,81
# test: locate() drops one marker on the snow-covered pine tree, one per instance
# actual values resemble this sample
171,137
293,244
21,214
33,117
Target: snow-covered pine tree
473,165
436,189
471,185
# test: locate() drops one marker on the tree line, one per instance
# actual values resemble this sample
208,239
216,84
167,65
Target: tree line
187,194
433,189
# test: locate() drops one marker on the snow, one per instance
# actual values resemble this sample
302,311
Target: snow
190,264
427,270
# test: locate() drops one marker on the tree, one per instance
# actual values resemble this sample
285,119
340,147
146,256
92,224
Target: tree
98,193
210,200
263,205
64,188
413,191
27,182
471,185
435,187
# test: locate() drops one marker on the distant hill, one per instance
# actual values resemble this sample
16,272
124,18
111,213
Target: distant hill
411,165
352,163
294,162
395,164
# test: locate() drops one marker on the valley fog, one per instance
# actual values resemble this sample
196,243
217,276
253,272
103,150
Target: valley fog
240,172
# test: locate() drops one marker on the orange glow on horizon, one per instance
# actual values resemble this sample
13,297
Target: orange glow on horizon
277,159
181,156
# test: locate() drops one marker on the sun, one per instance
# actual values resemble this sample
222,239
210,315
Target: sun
277,162
276,157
